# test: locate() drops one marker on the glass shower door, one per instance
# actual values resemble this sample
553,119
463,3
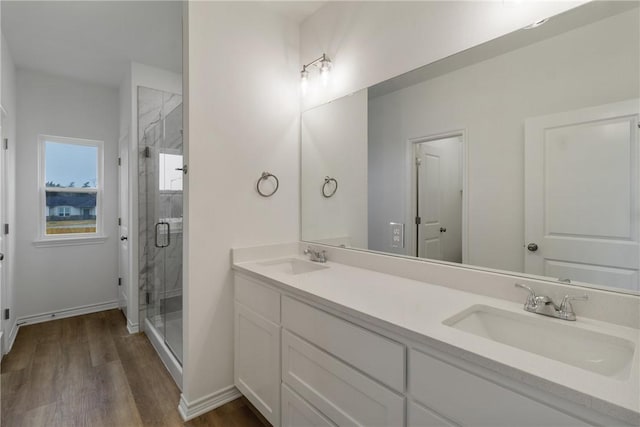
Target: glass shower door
171,174
152,269
161,214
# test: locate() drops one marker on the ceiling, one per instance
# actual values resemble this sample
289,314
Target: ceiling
93,40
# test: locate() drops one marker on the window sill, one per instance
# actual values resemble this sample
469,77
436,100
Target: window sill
69,241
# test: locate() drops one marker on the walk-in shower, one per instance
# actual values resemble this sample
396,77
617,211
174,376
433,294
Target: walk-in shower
160,201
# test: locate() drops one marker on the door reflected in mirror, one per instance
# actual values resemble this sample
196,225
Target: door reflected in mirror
438,198
518,155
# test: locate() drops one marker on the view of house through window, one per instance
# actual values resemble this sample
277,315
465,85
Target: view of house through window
71,185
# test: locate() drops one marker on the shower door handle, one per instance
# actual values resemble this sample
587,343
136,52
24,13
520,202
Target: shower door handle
168,239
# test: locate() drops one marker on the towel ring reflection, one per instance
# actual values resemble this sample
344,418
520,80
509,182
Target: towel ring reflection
327,181
263,177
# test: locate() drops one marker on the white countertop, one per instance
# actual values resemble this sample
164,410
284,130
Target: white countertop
418,309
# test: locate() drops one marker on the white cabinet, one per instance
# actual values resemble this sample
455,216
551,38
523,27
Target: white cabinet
419,416
341,393
257,349
470,400
258,297
373,354
296,412
300,365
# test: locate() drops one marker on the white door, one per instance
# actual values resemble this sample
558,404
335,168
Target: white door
428,186
581,195
123,205
439,194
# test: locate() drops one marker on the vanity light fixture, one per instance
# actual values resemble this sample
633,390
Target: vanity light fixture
536,24
323,63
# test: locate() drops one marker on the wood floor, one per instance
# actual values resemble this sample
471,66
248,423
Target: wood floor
89,371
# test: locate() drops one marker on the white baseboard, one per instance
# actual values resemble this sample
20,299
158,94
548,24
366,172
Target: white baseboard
70,312
133,328
12,337
169,361
190,410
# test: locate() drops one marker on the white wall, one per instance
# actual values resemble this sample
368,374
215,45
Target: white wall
52,279
243,80
334,143
370,42
8,101
154,78
243,119
582,65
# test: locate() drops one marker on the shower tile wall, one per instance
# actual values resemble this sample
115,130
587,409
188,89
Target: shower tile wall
153,107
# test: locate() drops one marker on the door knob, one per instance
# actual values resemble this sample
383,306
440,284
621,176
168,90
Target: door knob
123,238
443,230
532,247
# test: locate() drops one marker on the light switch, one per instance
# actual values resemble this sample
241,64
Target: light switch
397,234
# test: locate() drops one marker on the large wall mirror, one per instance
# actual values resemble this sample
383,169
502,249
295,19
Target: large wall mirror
520,154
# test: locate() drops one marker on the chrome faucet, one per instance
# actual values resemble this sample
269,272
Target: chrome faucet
316,256
542,304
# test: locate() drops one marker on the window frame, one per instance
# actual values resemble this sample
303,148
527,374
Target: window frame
44,239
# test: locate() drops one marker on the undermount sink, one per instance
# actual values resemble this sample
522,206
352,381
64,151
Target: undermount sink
593,351
293,266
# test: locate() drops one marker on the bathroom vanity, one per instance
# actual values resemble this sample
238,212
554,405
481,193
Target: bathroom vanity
333,343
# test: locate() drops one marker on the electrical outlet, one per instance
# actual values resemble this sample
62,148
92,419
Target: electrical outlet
397,234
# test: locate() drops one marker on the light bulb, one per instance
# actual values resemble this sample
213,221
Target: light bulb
325,65
325,68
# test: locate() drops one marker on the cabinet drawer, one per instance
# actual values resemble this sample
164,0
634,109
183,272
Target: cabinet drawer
342,394
419,416
258,297
296,412
470,400
369,352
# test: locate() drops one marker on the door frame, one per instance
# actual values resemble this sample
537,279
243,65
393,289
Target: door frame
410,186
124,272
5,334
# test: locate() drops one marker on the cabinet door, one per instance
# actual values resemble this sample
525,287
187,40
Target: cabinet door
296,412
341,393
257,297
257,361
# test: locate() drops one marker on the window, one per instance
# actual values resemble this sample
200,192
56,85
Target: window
64,211
170,172
70,188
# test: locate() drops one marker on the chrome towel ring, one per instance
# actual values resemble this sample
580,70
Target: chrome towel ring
264,177
327,191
